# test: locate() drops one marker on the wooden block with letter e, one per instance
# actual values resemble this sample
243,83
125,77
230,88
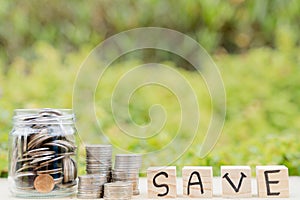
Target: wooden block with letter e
236,181
272,181
161,182
197,181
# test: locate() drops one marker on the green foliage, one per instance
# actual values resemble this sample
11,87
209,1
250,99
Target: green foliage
43,42
232,26
262,105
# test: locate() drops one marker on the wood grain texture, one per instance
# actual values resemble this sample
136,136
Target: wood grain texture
272,181
206,178
236,181
163,177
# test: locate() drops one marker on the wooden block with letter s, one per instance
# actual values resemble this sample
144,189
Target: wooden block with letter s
161,182
272,181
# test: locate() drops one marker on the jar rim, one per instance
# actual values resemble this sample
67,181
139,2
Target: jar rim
42,109
36,116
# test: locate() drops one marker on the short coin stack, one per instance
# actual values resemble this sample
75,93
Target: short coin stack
91,186
127,169
117,191
98,160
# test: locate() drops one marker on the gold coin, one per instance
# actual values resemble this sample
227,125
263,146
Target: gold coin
44,183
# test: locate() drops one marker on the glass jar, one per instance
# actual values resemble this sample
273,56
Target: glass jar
43,153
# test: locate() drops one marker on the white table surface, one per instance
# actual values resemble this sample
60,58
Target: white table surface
294,189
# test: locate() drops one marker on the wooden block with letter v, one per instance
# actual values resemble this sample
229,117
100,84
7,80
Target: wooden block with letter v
161,182
197,181
236,181
272,181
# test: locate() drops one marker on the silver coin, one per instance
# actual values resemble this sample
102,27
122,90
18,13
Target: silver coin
118,190
88,196
67,185
90,146
66,154
29,117
25,159
36,137
70,169
36,150
39,141
65,143
25,174
25,188
53,144
41,166
74,165
50,112
58,180
66,169
52,160
26,167
41,153
50,171
40,159
24,143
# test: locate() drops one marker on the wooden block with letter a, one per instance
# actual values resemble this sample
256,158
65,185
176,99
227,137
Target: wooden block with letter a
161,182
236,181
272,181
197,181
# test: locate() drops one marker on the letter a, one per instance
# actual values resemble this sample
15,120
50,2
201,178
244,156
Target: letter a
199,182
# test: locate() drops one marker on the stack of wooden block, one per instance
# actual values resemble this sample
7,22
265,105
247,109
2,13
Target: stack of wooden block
272,181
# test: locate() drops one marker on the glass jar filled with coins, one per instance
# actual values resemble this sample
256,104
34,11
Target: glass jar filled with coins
43,153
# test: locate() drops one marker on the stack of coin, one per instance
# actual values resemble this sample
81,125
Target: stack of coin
117,191
91,186
127,168
98,160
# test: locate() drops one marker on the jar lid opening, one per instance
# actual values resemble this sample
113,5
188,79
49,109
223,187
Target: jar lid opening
43,116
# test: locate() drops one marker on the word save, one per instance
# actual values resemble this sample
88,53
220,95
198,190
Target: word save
272,181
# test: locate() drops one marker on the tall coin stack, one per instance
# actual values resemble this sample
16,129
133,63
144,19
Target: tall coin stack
126,169
98,160
118,191
91,186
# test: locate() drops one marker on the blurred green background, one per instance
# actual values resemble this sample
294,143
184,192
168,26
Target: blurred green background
254,43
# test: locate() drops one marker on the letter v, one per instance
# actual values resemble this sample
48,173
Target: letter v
236,189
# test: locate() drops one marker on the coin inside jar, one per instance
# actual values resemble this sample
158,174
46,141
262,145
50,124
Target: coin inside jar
50,112
43,153
50,171
44,183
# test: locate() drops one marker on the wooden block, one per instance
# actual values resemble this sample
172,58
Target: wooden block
236,181
161,182
197,181
272,181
